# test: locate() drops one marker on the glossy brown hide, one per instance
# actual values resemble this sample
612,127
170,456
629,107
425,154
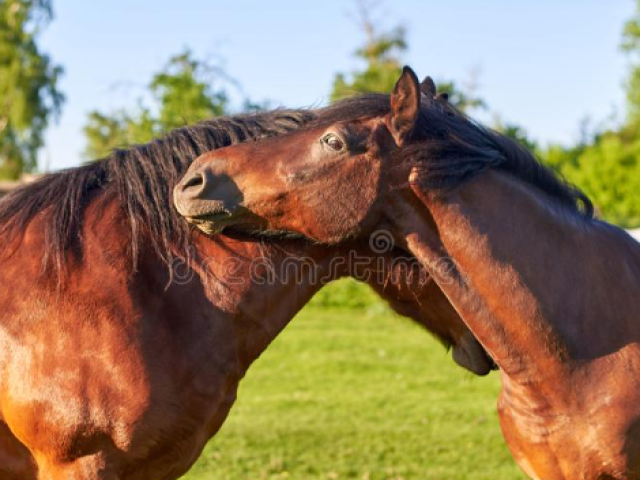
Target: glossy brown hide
232,188
549,292
560,321
236,183
117,376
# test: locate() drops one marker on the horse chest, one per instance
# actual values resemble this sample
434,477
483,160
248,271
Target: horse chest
591,435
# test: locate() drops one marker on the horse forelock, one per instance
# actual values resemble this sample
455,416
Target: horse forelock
141,178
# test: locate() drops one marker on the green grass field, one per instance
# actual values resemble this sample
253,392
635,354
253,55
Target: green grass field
359,394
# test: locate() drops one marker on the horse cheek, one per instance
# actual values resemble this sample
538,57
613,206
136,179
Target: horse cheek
363,185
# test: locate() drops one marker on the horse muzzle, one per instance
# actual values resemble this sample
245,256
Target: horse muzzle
209,201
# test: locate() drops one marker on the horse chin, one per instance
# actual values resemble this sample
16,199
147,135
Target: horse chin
210,228
208,225
245,231
469,354
215,222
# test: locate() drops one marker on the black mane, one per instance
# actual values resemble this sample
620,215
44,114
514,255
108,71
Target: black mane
142,178
449,148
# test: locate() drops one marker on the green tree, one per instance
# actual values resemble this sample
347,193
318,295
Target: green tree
29,94
631,46
182,93
185,93
463,99
609,172
560,158
381,54
607,168
382,57
517,133
606,165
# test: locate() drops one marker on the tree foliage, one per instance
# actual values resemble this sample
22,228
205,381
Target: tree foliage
29,94
631,46
182,93
607,165
517,133
608,171
381,55
463,99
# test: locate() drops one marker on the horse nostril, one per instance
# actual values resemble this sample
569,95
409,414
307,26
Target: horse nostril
196,181
194,185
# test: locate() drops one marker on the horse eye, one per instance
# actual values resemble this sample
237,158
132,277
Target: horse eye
332,141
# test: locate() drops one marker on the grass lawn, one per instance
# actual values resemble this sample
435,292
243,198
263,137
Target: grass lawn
351,394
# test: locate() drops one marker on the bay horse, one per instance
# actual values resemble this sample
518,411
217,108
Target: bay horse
124,332
552,293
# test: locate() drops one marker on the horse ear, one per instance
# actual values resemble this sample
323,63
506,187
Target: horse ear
428,87
405,105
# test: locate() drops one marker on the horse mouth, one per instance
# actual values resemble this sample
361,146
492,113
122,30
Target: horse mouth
219,216
237,222
240,225
213,222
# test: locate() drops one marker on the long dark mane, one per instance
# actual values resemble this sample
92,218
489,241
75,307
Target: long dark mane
142,178
449,148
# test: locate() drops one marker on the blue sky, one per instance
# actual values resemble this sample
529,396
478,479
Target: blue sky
544,64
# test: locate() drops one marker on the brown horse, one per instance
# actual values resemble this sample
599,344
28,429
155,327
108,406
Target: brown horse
549,291
124,334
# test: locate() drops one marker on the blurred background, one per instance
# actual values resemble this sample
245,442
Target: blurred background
349,390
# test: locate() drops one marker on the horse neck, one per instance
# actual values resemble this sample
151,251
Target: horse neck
234,297
510,281
260,286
